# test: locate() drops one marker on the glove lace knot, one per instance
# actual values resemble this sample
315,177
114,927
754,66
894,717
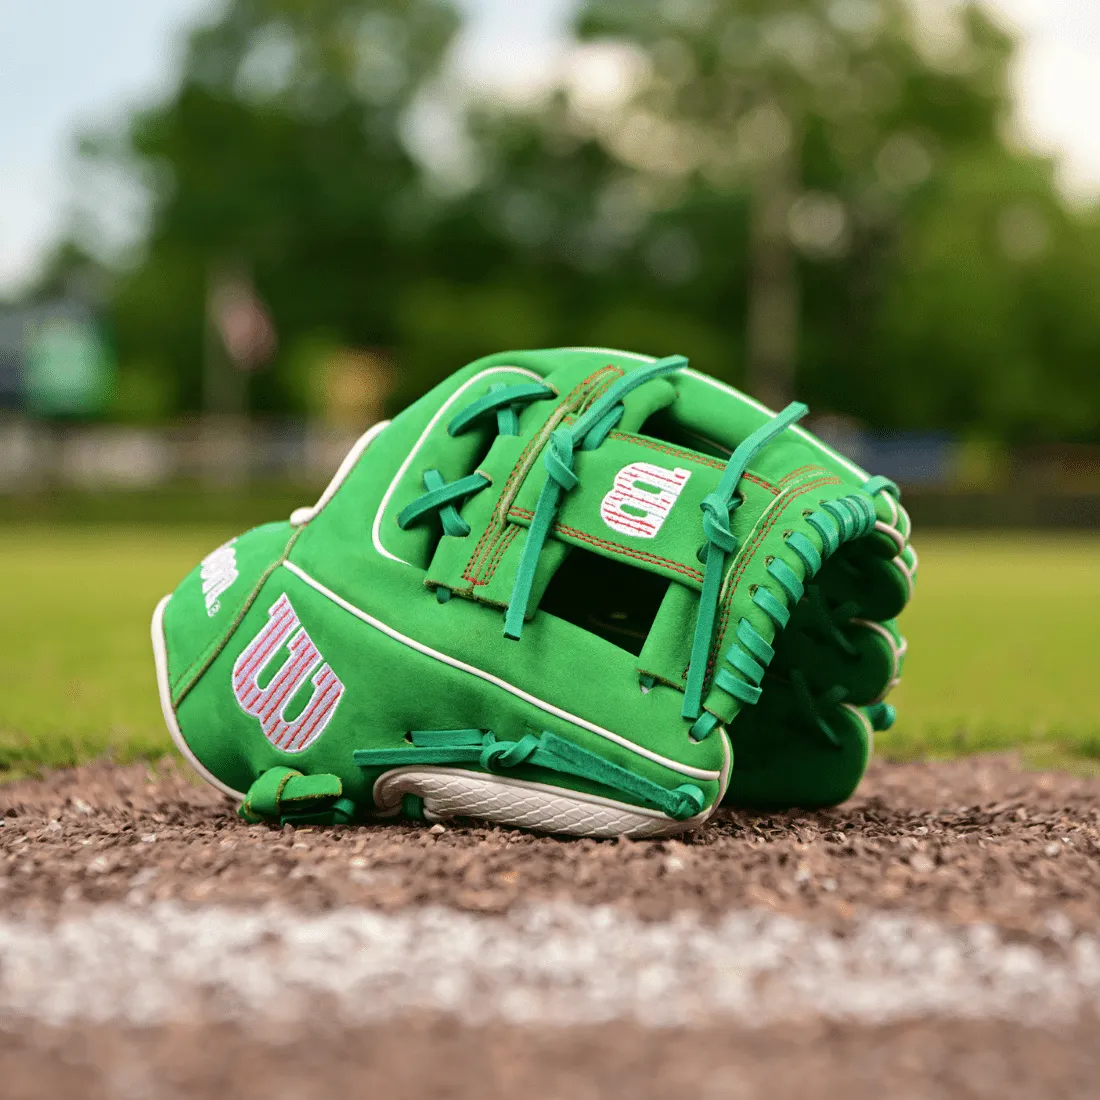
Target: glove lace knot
588,432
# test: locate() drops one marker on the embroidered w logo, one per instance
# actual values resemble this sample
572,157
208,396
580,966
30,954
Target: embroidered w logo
269,703
641,498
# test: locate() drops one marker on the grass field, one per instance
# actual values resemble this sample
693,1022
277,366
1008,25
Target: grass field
1004,644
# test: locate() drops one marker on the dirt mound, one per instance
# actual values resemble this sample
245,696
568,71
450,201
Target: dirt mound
973,840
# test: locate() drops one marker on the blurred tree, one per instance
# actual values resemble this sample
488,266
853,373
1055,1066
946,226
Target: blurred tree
280,154
822,183
808,197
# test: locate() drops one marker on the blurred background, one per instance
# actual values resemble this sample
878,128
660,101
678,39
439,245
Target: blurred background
234,233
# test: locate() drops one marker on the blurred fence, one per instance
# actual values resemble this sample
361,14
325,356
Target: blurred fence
202,466
217,453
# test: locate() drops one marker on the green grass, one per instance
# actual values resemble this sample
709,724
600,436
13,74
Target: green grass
1004,640
77,664
1004,643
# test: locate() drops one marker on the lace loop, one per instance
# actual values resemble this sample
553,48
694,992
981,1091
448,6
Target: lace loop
881,484
440,498
720,544
502,400
558,459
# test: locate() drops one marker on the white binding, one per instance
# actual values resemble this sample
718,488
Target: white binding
898,649
457,792
376,529
893,532
867,726
160,655
301,516
673,765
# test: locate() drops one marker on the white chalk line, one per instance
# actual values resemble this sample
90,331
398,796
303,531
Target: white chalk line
554,965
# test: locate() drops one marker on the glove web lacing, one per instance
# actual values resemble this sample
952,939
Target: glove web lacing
836,522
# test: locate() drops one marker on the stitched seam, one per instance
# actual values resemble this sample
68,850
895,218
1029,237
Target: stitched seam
691,456
667,449
489,568
614,547
743,561
498,519
659,678
599,390
802,471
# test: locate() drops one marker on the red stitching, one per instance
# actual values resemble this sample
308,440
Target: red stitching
665,448
794,475
492,528
640,555
501,548
690,456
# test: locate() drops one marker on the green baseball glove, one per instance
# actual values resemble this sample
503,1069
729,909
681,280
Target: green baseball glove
551,593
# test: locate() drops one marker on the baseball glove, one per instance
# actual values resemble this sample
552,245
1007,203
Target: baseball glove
578,590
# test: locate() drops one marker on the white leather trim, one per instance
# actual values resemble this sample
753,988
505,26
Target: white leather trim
867,726
893,532
376,529
907,571
160,655
455,792
488,677
301,516
897,649
617,351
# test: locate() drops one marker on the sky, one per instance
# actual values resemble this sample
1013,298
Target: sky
68,66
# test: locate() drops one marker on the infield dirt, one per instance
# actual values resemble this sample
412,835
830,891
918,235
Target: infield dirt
977,841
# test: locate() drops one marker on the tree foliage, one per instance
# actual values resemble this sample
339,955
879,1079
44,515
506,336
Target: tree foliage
836,155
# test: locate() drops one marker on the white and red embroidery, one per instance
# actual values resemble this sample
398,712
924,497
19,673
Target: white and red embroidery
641,498
303,662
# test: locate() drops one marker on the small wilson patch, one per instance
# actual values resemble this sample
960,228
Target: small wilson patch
218,571
641,498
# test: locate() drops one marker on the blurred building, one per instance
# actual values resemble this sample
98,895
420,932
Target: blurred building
55,361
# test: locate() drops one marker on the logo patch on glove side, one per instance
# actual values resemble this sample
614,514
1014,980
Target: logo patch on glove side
217,571
303,662
641,498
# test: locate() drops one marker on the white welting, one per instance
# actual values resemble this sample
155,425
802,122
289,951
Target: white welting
673,765
550,965
376,528
302,516
164,687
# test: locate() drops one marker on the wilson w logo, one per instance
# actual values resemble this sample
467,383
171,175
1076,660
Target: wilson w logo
641,498
269,703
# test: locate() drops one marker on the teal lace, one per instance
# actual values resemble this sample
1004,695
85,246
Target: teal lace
545,750
588,432
749,655
441,497
718,506
742,670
